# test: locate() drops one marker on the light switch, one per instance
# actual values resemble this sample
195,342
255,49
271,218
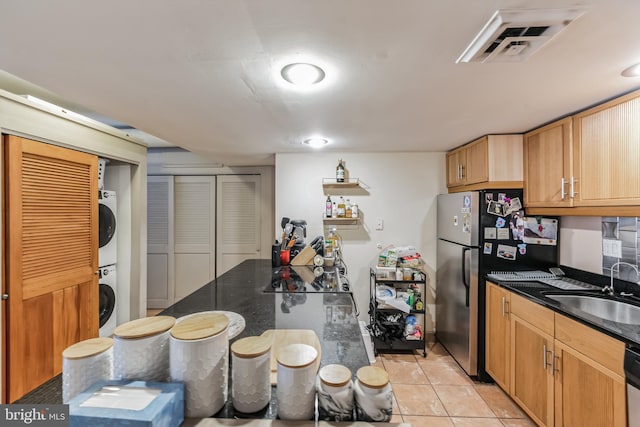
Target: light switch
379,224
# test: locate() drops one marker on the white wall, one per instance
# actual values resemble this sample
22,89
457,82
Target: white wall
581,243
402,190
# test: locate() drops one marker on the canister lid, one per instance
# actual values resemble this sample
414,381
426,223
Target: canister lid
145,327
373,376
335,375
200,326
297,356
249,347
87,348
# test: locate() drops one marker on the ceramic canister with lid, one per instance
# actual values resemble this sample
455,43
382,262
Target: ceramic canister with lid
141,349
335,393
296,382
199,358
373,394
85,363
251,373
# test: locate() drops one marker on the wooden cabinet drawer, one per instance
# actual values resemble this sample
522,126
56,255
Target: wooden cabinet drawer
599,347
535,314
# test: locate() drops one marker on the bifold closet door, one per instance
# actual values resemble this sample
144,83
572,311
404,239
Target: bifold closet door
239,220
51,258
194,233
160,255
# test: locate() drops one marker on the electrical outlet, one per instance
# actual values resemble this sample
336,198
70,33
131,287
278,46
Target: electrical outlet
612,248
379,224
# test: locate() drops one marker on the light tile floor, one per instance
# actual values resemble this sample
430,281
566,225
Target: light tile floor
434,392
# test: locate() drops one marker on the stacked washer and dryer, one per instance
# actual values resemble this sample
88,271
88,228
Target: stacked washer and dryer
107,254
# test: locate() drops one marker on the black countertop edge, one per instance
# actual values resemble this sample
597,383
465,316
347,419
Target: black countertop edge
535,291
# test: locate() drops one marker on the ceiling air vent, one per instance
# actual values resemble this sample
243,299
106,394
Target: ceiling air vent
514,35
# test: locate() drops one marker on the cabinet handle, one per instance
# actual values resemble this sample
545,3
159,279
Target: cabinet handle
573,189
562,192
461,172
544,357
505,306
554,369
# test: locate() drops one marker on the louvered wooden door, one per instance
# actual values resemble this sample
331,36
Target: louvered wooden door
51,258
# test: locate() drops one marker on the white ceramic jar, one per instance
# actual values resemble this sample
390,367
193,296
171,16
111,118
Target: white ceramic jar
335,393
373,394
251,374
141,349
199,358
296,382
85,363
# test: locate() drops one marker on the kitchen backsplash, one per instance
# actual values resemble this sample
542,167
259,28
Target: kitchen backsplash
621,242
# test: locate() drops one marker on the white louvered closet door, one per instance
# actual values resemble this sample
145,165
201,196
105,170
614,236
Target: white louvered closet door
194,233
160,262
238,220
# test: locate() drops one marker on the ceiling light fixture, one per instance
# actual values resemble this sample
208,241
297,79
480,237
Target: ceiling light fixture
633,71
315,142
302,74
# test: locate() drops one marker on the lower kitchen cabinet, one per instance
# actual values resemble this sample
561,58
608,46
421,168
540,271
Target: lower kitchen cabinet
498,335
561,372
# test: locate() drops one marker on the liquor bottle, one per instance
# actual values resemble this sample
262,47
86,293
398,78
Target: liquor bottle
340,172
347,209
328,207
354,210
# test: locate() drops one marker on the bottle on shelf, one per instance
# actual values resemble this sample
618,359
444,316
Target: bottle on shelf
354,210
347,209
419,305
340,171
328,208
334,210
341,208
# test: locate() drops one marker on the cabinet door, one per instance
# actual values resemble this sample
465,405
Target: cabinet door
456,165
586,393
497,347
531,370
547,166
477,162
606,150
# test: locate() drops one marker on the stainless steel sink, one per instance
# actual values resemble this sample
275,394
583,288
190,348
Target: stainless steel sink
607,309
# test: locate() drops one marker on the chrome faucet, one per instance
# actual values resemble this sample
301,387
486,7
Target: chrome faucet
609,289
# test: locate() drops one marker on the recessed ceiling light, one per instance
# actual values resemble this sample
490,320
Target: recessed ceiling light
303,74
315,142
633,71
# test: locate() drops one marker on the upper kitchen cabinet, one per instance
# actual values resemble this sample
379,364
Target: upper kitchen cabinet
491,161
586,164
547,165
606,150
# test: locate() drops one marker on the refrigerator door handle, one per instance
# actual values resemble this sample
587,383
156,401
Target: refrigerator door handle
465,281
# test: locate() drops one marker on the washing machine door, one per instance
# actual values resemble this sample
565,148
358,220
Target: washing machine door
107,300
106,224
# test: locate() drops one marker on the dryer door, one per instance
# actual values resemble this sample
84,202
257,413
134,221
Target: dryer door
107,225
107,300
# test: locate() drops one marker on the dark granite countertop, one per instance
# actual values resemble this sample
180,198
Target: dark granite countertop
270,298
538,292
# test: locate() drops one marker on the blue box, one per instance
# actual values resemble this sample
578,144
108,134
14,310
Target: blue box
165,410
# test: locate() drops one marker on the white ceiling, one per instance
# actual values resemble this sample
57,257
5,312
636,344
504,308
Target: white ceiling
203,74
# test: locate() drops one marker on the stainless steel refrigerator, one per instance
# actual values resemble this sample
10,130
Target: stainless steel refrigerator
480,232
